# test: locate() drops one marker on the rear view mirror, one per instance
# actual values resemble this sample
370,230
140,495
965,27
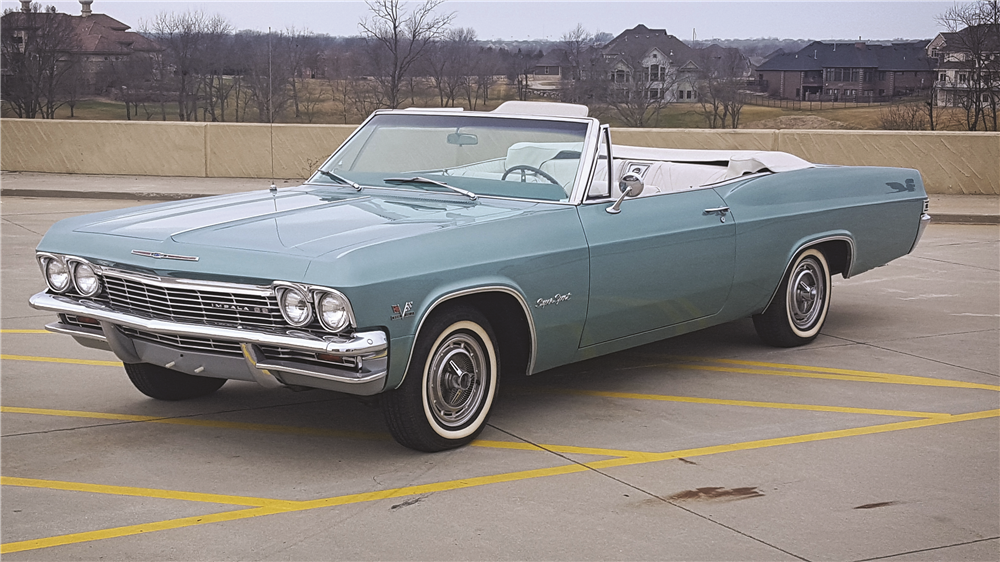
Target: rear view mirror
463,139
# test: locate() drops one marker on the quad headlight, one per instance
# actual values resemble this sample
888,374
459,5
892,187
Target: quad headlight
333,311
85,279
64,273
295,305
300,304
57,274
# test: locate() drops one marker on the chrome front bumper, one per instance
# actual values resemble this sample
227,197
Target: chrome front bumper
370,348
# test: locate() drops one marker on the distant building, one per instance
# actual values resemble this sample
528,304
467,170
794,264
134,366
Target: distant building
847,71
666,67
551,70
96,43
967,63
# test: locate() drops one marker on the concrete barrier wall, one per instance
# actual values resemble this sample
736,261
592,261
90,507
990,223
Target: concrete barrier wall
950,162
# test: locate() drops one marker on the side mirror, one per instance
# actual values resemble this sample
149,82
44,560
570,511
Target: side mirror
631,186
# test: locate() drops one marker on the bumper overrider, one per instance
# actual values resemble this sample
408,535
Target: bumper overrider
354,362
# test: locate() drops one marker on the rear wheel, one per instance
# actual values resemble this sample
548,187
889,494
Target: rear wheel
163,384
798,311
451,384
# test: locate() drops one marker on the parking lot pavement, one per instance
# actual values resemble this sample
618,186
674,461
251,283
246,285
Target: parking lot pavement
881,440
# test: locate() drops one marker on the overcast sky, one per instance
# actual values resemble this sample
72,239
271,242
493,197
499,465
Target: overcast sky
548,19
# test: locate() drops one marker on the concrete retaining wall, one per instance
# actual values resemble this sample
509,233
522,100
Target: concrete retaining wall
950,162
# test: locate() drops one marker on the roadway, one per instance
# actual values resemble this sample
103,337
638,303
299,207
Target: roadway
881,440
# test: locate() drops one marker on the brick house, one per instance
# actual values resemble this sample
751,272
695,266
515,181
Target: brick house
95,43
858,71
671,68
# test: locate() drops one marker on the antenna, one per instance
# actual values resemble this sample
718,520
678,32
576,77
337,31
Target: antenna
270,103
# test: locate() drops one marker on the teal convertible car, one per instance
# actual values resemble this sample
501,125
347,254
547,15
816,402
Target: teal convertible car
438,250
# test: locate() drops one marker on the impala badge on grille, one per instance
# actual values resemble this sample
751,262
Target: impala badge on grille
240,308
162,256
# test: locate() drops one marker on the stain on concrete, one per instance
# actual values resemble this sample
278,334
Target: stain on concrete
717,494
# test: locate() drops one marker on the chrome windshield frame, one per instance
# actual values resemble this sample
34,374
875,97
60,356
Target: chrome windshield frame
588,154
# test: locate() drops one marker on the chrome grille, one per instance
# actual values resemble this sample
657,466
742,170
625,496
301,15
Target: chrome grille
185,342
273,352
193,305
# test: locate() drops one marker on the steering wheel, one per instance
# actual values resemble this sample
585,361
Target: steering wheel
526,168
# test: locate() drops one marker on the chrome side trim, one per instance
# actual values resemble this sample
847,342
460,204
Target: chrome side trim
810,244
361,344
475,291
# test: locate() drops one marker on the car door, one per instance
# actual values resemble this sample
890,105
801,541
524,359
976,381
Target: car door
664,260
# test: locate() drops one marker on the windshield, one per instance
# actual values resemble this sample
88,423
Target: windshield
504,157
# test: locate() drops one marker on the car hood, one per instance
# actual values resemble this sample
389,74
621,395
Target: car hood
304,221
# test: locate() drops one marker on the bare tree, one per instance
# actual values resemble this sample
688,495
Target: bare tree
719,83
520,66
188,40
398,38
37,65
974,45
903,117
575,42
267,76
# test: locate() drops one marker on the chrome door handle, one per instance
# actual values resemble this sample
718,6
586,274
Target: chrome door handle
721,210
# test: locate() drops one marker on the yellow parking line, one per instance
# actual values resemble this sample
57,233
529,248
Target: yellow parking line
824,373
136,529
61,360
639,458
25,332
751,404
272,428
146,492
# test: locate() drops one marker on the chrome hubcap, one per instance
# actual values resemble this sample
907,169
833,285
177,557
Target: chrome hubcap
455,382
806,292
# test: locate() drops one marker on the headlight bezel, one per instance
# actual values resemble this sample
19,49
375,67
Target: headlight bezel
315,295
348,317
75,264
46,260
70,264
282,291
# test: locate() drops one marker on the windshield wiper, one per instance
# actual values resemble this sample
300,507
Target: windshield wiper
418,179
341,179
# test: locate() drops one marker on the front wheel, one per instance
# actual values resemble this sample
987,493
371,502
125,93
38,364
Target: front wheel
797,313
446,396
163,384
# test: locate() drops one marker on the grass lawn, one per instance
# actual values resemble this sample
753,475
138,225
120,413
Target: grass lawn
325,109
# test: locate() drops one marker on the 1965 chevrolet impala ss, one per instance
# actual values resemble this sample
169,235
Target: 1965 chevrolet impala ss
437,249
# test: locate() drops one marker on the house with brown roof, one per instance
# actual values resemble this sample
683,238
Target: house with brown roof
859,71
94,43
672,69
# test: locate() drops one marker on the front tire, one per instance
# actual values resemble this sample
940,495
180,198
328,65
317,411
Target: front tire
163,384
449,389
798,311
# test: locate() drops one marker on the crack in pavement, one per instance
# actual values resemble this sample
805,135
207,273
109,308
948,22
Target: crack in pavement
648,493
